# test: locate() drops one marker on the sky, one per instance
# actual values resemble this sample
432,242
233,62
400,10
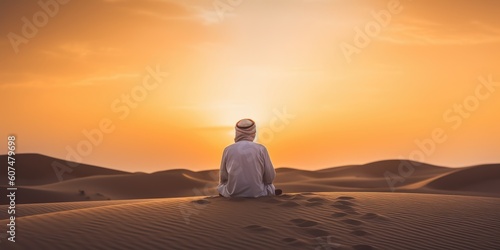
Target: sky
157,84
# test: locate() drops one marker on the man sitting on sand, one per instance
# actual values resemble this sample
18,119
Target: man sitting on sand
246,169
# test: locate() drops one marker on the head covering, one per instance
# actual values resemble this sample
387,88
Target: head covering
245,130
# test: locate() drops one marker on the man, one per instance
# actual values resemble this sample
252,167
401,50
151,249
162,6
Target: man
246,169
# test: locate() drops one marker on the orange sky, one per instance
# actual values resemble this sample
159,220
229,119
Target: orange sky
322,94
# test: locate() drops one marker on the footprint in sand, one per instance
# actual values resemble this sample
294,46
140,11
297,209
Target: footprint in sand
201,202
304,223
346,203
353,222
359,232
339,214
345,198
346,206
316,199
257,228
316,232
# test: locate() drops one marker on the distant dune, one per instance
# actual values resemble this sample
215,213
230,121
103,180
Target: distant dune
478,179
36,169
38,181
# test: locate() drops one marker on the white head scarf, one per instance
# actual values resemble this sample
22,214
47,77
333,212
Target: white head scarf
245,130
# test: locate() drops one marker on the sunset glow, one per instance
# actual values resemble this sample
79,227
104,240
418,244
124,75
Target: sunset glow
153,85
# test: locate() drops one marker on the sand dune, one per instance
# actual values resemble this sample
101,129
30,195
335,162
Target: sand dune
96,183
351,220
349,207
471,179
36,169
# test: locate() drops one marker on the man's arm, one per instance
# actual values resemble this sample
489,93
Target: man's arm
269,172
223,171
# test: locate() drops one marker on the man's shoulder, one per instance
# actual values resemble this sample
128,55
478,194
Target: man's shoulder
260,146
245,144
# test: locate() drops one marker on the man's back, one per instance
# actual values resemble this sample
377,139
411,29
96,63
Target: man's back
246,171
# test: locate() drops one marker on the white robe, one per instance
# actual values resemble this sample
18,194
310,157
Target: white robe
246,171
